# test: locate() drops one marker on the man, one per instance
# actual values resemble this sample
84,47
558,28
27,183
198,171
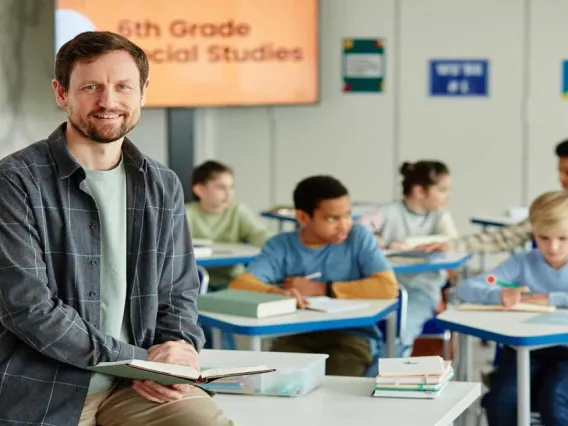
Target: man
509,237
96,258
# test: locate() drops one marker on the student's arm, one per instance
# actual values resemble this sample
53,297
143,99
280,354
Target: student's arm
178,283
374,222
495,241
251,230
266,269
380,281
446,226
29,306
477,290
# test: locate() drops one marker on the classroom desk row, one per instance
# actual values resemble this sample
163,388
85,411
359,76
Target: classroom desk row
255,330
340,398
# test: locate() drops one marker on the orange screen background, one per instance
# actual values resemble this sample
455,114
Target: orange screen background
285,30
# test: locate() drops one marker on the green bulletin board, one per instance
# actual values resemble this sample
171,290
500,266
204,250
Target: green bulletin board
363,65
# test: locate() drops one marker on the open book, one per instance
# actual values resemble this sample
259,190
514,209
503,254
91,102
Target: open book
172,374
330,305
519,307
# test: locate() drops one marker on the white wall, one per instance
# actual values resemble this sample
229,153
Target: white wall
28,111
499,148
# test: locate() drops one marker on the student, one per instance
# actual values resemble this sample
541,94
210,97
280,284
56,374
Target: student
349,261
545,272
420,214
214,216
507,238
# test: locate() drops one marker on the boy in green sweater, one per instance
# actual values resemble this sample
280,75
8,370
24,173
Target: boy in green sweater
214,216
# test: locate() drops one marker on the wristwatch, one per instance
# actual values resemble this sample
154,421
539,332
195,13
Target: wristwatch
329,289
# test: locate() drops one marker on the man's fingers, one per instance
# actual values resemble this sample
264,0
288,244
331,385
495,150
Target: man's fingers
147,393
161,391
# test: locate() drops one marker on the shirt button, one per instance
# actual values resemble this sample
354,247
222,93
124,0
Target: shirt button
93,293
94,226
94,262
79,388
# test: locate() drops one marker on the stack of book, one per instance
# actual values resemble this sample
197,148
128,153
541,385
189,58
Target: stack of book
415,377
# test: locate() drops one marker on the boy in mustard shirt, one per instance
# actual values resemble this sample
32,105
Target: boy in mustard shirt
348,260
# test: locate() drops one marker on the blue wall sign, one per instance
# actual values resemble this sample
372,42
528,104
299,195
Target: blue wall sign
459,77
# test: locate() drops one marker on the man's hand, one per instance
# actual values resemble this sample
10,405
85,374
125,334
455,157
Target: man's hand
304,286
536,299
156,392
300,301
432,247
511,296
173,352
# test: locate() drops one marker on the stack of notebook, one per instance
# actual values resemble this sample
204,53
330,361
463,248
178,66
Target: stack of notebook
416,377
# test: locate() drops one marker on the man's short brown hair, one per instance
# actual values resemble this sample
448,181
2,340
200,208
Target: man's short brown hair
91,44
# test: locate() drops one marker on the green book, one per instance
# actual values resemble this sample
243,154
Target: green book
246,303
172,374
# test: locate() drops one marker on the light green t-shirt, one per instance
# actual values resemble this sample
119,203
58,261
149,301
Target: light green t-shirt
235,224
108,188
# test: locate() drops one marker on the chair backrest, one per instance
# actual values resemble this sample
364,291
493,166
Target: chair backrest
203,279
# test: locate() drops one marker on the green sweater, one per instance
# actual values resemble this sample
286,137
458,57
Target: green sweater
235,224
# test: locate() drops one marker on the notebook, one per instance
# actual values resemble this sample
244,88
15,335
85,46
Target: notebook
414,381
412,366
172,374
246,303
411,393
519,307
330,305
202,248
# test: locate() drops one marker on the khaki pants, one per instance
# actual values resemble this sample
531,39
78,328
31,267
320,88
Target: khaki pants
349,355
125,407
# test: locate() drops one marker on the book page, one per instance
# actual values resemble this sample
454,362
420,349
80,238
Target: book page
519,307
327,304
170,369
235,371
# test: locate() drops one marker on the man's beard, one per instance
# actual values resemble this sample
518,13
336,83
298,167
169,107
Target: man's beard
91,131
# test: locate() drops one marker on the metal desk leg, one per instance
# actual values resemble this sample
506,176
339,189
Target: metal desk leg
483,257
254,343
217,342
523,387
465,368
391,335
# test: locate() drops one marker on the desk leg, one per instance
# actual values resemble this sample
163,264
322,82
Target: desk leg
217,342
280,226
523,386
483,257
465,369
253,343
391,335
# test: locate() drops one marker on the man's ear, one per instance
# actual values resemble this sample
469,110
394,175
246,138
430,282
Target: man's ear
60,94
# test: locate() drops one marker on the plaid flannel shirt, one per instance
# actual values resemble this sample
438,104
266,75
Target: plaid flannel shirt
50,251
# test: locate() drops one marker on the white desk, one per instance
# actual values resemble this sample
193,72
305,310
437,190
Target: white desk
346,400
508,328
304,321
228,255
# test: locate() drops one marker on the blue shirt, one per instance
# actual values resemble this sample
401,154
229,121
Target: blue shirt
527,269
358,257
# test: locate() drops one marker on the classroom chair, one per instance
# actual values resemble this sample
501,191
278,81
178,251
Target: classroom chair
373,369
227,340
535,416
431,330
203,279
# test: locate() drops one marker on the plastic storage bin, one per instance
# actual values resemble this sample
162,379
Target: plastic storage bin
295,375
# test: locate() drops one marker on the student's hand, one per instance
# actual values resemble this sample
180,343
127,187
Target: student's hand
175,352
304,286
536,299
158,393
432,247
511,296
399,245
300,301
